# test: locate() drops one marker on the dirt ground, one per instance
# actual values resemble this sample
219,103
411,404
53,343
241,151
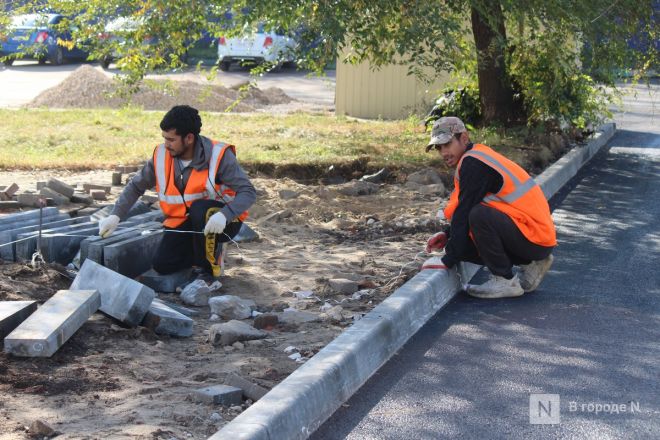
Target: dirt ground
111,382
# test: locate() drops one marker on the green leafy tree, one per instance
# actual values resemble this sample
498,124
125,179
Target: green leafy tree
528,56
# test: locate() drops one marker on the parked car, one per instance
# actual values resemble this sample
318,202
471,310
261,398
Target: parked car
256,48
35,37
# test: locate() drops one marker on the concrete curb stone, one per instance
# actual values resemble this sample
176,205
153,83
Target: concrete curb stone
297,406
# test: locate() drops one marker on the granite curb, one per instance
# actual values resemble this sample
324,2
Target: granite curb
297,406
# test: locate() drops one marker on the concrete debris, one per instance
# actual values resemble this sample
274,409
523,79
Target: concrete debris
196,293
265,321
297,317
98,194
342,285
231,307
426,176
7,193
287,194
40,428
358,188
229,332
116,178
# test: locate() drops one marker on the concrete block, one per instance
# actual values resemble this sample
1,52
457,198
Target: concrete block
165,283
87,187
126,168
133,256
20,217
28,244
11,190
60,187
81,197
59,199
47,329
40,185
92,247
219,395
98,194
179,308
9,204
62,248
30,199
89,211
116,178
250,390
9,252
12,313
122,298
165,320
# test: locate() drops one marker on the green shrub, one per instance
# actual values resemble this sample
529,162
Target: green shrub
461,99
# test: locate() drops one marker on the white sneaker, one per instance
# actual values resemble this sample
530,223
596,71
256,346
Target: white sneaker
497,287
532,274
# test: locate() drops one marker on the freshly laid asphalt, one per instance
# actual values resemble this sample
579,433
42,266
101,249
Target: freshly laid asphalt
589,334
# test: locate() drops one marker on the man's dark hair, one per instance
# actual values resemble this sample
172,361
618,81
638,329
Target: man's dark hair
184,119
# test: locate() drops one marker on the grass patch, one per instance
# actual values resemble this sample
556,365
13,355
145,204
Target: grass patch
103,138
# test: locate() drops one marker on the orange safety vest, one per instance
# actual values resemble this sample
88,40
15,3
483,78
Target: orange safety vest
520,197
199,186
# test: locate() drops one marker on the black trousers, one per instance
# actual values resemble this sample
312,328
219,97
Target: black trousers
498,243
178,251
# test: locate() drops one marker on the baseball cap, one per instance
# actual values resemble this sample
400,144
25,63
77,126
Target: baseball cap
444,129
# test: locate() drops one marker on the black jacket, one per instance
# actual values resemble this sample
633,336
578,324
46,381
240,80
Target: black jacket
476,180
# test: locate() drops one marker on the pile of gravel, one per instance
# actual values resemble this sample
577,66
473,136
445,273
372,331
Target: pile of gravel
88,87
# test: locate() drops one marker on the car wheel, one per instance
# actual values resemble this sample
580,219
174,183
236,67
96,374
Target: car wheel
224,66
105,62
58,57
8,62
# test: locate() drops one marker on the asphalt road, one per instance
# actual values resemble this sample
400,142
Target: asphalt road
25,80
590,334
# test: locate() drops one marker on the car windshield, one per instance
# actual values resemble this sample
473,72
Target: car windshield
33,20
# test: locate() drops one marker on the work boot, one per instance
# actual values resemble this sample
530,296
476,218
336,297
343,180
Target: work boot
532,274
496,287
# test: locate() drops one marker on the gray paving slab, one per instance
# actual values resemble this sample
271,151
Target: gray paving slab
12,313
133,256
19,219
60,248
165,283
8,251
61,187
165,320
121,298
28,244
92,247
47,329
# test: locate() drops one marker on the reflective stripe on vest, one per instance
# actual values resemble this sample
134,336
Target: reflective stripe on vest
519,197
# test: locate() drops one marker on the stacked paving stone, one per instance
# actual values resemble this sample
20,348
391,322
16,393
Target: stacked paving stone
130,250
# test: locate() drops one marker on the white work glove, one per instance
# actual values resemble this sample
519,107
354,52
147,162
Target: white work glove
216,224
108,225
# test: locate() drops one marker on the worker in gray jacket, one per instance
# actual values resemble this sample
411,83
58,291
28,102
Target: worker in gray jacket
201,188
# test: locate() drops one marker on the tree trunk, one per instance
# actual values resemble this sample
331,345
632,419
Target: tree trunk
495,91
